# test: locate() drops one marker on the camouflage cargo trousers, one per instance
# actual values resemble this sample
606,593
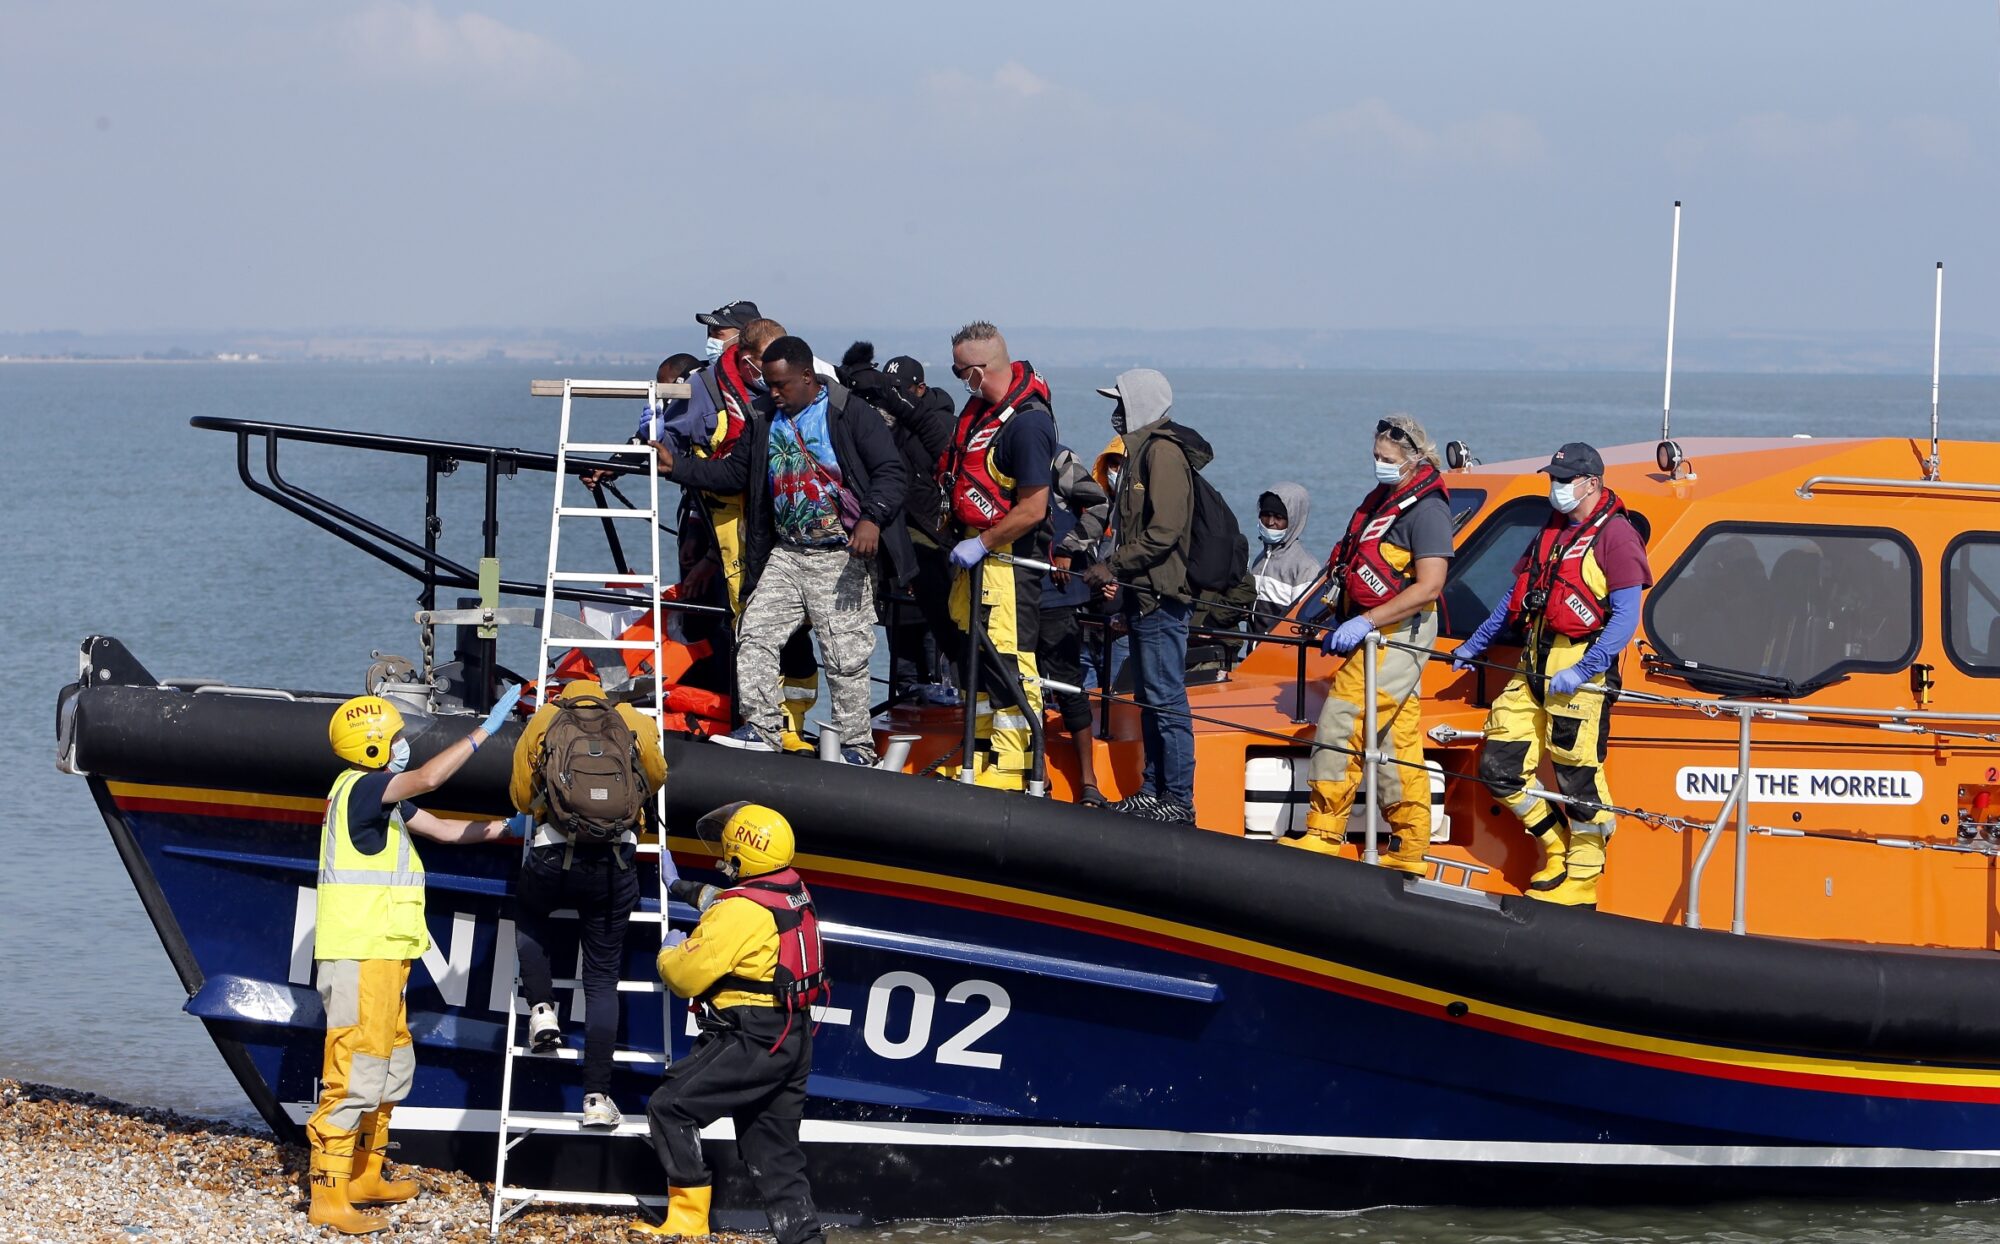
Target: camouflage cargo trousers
835,594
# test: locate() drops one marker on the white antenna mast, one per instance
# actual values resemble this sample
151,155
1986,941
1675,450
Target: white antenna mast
1673,291
1937,341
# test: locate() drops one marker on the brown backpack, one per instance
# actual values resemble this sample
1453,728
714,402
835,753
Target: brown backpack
589,766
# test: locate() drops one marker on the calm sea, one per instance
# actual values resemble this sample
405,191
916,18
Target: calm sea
120,519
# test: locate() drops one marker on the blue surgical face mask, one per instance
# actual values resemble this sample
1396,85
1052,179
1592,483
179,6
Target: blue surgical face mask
1388,472
1273,536
716,346
1111,478
399,755
1563,496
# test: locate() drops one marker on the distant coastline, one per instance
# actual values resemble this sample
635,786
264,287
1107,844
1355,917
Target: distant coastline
1535,349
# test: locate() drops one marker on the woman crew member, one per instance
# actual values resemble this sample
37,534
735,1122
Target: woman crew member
1386,575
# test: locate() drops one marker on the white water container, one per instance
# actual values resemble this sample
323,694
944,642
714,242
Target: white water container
1275,792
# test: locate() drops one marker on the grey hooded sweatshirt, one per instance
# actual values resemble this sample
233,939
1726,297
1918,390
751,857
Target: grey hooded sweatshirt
1283,571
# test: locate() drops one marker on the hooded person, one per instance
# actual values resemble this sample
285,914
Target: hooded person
924,642
1153,523
1282,567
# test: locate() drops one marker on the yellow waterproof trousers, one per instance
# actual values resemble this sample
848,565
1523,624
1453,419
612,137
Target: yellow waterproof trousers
1573,729
369,1062
1403,786
1012,600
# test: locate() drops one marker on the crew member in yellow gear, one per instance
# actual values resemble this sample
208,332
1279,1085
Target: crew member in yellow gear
1575,603
995,479
1386,576
370,925
753,966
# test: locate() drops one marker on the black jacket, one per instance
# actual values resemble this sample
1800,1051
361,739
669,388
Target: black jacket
870,467
923,432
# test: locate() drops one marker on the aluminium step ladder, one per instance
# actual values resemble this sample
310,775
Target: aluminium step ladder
516,1126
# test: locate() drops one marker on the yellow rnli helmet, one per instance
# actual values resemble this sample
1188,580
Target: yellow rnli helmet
362,729
754,839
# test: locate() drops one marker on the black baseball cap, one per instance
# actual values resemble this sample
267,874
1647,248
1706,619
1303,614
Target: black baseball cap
904,370
736,315
1573,461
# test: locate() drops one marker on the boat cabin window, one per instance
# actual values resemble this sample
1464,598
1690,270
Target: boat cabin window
1802,604
1482,568
1972,603
1465,502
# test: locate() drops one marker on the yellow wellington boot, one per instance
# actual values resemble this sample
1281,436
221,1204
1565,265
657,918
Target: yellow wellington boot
1405,852
330,1206
1313,841
993,777
371,1154
1586,865
1555,857
687,1214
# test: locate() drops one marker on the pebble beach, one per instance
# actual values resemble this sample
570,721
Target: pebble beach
76,1168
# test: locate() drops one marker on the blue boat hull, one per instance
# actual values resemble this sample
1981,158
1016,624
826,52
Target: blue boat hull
1043,1010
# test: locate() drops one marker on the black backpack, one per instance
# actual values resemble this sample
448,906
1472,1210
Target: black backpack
1218,555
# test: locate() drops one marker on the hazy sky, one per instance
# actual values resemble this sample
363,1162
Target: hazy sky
1149,165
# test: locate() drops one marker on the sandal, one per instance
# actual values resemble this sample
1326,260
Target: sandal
1091,798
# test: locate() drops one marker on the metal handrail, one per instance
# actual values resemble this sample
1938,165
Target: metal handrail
1693,920
1805,490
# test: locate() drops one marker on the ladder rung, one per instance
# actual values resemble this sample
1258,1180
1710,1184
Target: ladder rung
591,511
601,447
543,1121
584,576
578,1197
569,1054
636,645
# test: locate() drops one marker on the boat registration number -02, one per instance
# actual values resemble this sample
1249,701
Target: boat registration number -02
1712,784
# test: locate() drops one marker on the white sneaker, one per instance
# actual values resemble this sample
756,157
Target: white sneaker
544,1030
600,1111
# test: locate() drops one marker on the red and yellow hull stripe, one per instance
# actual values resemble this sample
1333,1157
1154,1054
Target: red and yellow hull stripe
1812,1073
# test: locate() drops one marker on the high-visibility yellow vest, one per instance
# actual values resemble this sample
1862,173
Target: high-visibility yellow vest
370,906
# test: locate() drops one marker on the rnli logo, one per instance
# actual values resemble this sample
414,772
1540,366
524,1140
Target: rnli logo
980,503
755,839
1584,613
360,711
1368,576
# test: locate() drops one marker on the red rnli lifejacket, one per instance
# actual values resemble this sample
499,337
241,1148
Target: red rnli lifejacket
800,979
731,395
1555,571
1363,574
971,491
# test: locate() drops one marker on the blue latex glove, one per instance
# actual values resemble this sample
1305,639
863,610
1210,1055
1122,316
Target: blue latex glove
1346,637
520,824
673,938
1461,660
968,553
1567,681
498,717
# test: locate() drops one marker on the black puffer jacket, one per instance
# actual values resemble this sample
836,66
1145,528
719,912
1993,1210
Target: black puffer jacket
870,466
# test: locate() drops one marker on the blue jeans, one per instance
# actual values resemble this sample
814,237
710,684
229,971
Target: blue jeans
1159,678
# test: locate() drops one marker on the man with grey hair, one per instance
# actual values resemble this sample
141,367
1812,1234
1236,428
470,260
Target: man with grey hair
994,480
1154,522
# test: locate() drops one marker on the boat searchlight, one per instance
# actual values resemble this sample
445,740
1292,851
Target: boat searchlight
1458,456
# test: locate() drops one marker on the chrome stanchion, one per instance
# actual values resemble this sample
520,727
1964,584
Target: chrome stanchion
1371,757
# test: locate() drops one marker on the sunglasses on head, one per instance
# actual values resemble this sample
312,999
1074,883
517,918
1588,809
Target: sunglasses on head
1394,433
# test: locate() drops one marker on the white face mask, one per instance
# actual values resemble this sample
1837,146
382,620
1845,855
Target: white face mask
1273,536
399,755
1563,496
1388,472
1111,478
716,346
